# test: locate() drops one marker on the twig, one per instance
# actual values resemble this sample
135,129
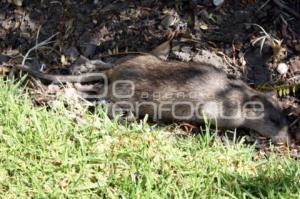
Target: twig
263,5
37,38
295,78
263,39
286,8
43,43
294,122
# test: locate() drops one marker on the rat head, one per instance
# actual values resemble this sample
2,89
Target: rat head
265,116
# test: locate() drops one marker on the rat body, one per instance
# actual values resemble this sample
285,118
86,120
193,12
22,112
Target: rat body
192,92
174,91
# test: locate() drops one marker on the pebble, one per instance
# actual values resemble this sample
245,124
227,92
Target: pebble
297,47
168,21
282,68
218,3
16,2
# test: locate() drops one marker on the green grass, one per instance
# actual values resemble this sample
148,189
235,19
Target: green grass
60,153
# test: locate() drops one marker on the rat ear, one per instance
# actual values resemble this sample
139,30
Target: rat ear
271,94
255,98
162,51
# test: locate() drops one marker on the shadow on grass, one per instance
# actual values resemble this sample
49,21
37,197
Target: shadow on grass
265,185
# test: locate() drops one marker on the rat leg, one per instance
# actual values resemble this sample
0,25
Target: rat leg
121,114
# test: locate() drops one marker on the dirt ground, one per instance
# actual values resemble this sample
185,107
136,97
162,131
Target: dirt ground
108,29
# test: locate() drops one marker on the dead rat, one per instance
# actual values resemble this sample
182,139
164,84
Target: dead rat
191,92
174,91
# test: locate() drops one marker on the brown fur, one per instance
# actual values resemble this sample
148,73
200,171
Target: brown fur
151,75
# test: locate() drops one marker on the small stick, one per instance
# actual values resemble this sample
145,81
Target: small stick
263,5
286,8
43,43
